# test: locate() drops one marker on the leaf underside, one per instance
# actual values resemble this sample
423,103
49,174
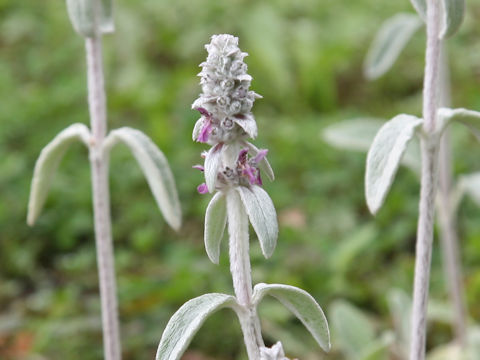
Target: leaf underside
185,323
213,161
469,118
453,14
384,157
262,216
215,222
389,42
47,164
155,167
302,305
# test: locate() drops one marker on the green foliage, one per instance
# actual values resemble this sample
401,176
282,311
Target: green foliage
49,288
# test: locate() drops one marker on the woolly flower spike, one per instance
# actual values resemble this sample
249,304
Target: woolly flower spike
226,101
273,353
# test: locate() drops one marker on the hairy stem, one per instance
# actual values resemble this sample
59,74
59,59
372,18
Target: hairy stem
101,200
447,215
241,274
429,147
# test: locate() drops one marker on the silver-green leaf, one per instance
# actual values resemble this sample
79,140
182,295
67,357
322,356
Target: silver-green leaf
47,164
91,17
421,7
185,323
155,168
353,134
213,160
385,155
262,216
453,14
358,135
302,305
469,118
353,329
215,222
389,42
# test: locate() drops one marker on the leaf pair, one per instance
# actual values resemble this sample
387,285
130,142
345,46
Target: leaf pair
91,17
185,323
452,17
151,160
389,145
261,213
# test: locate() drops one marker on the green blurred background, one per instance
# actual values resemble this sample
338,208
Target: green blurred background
306,59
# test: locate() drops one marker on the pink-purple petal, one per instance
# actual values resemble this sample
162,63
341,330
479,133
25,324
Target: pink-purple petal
202,188
260,155
203,111
198,167
205,132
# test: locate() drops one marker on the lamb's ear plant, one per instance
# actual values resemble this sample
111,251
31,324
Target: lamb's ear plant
91,19
442,19
232,169
388,44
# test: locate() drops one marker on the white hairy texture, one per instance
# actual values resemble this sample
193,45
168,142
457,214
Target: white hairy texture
215,222
197,128
155,168
213,160
384,157
262,215
273,353
101,200
469,118
47,164
241,273
389,42
226,95
302,305
248,124
429,178
184,324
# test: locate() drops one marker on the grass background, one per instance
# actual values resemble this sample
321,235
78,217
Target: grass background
306,59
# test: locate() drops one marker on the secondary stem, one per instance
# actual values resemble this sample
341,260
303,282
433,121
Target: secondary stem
241,273
447,215
429,147
101,200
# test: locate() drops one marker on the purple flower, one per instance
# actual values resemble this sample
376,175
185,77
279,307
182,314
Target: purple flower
202,188
207,126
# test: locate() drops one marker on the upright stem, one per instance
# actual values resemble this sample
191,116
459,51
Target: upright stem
447,215
101,200
429,148
241,274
